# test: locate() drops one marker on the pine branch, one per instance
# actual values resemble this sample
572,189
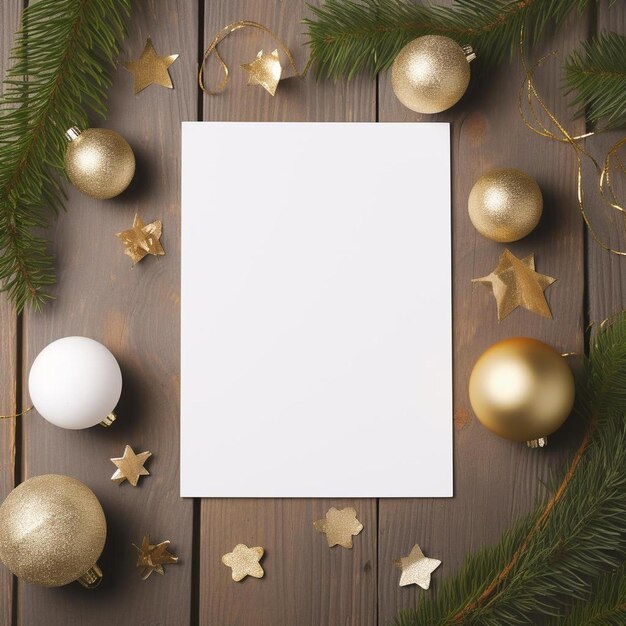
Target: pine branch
549,559
61,59
597,73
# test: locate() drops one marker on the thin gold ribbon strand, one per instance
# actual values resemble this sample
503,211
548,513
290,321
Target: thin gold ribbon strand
8,417
225,32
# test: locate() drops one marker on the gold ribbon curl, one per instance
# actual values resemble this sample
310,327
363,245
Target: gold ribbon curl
8,417
225,32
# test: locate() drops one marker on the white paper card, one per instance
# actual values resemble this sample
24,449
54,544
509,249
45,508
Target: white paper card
316,310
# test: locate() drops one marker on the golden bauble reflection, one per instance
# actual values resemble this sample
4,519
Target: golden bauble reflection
430,74
505,205
52,531
99,162
521,389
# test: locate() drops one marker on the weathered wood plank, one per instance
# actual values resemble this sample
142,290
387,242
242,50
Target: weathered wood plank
495,480
135,312
305,582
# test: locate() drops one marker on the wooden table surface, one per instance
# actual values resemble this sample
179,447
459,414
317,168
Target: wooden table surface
135,312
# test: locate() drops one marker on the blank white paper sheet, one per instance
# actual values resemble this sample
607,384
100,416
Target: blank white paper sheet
316,356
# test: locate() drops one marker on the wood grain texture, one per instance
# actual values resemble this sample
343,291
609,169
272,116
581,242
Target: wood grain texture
495,480
305,582
9,21
135,313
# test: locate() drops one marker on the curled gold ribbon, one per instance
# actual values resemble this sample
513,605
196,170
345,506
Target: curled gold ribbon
612,160
225,32
8,417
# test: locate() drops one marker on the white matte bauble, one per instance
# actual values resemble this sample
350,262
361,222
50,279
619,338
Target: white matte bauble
75,382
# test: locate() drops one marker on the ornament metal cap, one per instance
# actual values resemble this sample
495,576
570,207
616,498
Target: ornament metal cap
92,577
108,420
542,442
72,133
470,55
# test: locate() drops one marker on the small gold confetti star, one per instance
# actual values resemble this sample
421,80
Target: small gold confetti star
515,283
152,557
151,68
130,466
265,70
142,239
244,562
417,568
339,526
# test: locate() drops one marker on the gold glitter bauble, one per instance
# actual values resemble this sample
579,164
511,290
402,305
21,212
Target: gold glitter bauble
521,389
52,530
431,73
99,162
505,205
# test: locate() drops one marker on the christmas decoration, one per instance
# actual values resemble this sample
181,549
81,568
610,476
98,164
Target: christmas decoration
152,557
151,69
417,568
522,389
265,70
339,526
75,382
515,283
505,205
52,532
142,239
431,73
49,87
244,562
130,466
99,162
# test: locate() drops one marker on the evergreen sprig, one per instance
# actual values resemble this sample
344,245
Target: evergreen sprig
597,73
552,558
61,60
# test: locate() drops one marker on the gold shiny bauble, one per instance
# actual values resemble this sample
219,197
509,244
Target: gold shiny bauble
52,531
431,73
505,205
99,162
521,389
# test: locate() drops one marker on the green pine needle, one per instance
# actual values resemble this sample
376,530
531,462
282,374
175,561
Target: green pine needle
62,56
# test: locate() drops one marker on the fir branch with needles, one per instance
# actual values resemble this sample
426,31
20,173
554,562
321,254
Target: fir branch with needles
62,57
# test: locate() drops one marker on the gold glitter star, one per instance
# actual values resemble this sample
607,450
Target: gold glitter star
152,557
142,239
130,467
244,562
151,68
265,70
417,568
515,283
339,526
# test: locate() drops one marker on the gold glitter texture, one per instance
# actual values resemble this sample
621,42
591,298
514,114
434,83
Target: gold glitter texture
265,70
514,282
151,69
339,526
152,557
142,239
52,530
130,466
244,562
417,568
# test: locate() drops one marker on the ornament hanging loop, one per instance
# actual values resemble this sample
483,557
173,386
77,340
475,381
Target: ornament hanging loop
108,420
542,442
470,55
91,578
72,133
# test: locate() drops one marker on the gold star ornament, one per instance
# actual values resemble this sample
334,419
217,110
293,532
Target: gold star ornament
151,69
514,282
130,466
152,557
339,527
142,239
244,562
417,568
265,70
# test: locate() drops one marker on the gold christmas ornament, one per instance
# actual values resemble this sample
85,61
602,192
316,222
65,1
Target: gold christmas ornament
515,283
505,205
244,562
130,466
152,557
265,70
417,568
339,527
151,69
99,162
522,389
431,73
52,532
142,239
